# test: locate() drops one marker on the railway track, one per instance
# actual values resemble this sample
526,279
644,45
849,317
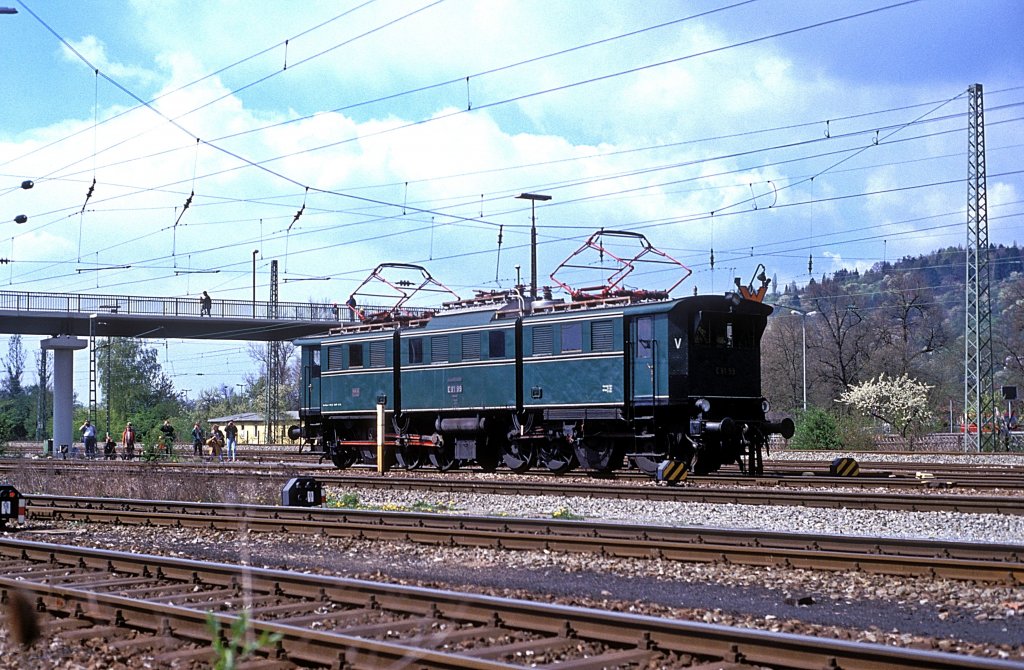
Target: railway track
928,495
964,561
923,499
159,606
784,473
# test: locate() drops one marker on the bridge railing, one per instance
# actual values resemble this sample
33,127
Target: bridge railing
83,303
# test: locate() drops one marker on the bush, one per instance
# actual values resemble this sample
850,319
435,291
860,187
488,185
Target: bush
857,433
816,429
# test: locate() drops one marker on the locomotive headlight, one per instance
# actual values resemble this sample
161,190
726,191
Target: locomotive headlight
765,405
703,404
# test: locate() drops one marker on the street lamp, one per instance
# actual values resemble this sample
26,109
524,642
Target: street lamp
254,252
803,322
533,198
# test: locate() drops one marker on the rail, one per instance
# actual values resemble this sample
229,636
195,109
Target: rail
91,303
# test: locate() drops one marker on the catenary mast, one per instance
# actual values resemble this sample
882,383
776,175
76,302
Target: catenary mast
978,383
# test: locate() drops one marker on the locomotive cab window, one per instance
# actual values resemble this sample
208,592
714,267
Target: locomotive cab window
496,344
415,350
644,337
355,355
724,331
572,337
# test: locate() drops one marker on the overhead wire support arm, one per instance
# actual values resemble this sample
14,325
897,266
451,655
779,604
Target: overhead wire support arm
288,232
88,195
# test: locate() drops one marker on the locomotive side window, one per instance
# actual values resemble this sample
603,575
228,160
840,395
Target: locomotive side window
335,361
496,344
415,350
378,356
723,331
543,341
602,335
572,337
471,346
644,337
439,349
355,355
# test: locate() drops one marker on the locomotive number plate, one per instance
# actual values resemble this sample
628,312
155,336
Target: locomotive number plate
725,371
455,388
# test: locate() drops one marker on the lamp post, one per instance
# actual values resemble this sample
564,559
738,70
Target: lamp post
254,252
803,321
533,198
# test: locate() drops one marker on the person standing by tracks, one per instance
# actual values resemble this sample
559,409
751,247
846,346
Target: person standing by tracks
109,448
197,440
231,438
216,443
168,437
128,440
89,438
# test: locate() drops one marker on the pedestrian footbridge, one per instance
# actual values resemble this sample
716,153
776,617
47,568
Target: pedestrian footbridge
84,315
66,317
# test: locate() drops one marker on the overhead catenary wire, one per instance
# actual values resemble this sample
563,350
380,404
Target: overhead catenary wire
403,209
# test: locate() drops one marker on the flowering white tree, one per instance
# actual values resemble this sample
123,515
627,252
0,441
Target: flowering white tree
901,401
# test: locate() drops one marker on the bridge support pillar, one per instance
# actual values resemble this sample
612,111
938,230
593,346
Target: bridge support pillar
64,347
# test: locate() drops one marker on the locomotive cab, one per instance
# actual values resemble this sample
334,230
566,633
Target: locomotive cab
714,377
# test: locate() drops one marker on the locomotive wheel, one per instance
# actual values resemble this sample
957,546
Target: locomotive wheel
343,457
411,457
598,454
519,455
487,456
443,454
558,456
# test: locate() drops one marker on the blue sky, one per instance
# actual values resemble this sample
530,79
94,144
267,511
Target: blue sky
414,123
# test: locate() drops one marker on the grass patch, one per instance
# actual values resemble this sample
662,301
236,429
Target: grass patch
566,514
345,501
352,501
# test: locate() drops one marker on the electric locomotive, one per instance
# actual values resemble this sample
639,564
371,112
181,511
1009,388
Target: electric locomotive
600,381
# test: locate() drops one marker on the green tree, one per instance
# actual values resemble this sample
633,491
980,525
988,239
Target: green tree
139,390
287,366
14,366
816,429
15,403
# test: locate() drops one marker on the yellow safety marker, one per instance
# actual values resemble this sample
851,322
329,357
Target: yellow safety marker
672,472
844,467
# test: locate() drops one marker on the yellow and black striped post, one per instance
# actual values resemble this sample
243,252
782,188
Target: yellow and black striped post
672,472
844,467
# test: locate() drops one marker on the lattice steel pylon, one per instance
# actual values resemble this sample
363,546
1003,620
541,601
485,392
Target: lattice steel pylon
978,356
93,403
273,372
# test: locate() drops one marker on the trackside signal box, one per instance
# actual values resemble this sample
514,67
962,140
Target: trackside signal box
12,505
302,492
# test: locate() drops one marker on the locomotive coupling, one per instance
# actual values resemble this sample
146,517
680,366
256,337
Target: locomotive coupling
785,428
726,426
